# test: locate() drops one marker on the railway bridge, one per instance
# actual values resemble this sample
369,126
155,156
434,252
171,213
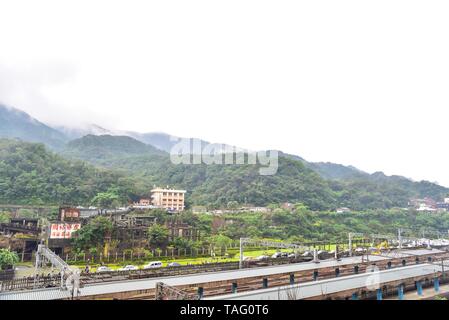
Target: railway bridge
342,276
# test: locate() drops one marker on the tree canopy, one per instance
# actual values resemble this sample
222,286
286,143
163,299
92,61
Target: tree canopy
8,259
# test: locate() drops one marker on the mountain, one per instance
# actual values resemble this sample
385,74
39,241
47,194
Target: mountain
103,148
83,130
160,140
334,171
20,125
213,185
166,142
145,158
363,185
216,185
31,174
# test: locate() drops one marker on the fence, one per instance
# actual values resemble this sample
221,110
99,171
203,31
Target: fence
131,255
169,253
120,275
30,283
88,278
7,275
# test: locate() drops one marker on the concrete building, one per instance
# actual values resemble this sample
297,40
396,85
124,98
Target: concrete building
426,204
443,206
179,229
168,199
342,210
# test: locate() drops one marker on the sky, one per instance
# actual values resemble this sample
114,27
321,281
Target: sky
363,83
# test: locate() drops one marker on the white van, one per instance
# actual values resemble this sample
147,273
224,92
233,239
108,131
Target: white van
153,265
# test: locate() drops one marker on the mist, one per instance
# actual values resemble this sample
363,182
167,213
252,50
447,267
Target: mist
367,90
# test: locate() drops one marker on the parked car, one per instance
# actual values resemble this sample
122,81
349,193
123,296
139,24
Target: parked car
153,265
174,264
284,254
276,255
262,257
103,269
323,255
128,268
307,254
292,255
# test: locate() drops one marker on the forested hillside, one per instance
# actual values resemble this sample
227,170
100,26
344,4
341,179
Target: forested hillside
142,163
216,185
15,123
303,224
30,174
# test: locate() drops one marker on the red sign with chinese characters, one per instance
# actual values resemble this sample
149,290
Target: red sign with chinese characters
63,230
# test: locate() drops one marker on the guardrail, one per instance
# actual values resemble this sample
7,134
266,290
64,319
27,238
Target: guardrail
30,283
122,275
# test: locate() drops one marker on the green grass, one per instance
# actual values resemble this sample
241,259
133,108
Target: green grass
184,261
234,253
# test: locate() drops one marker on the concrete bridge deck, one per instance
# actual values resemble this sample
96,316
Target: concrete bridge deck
326,287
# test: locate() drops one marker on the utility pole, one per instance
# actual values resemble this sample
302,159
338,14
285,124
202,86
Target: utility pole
400,238
350,243
241,253
315,256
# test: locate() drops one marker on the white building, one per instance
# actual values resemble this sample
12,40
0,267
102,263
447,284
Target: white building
168,198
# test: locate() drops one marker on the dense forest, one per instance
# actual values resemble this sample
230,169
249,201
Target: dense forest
91,166
215,185
303,224
299,225
30,174
99,168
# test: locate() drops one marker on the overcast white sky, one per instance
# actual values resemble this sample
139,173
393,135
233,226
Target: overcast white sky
354,82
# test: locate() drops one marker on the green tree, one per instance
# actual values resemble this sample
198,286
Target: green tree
182,243
93,234
5,217
157,235
220,241
8,259
232,205
107,199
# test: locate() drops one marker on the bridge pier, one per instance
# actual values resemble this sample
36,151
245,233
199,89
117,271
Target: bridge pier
200,292
401,292
436,284
234,287
265,283
379,294
419,287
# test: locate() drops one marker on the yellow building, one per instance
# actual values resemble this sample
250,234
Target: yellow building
168,198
